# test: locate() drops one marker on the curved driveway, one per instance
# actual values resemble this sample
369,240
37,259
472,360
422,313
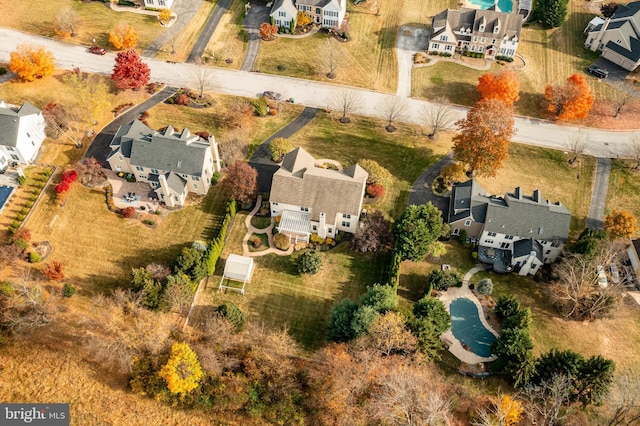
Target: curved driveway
531,131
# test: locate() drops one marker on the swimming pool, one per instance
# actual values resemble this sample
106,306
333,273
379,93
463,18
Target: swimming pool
5,192
504,5
468,329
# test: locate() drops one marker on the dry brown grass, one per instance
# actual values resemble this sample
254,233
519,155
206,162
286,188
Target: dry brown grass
229,41
184,41
624,187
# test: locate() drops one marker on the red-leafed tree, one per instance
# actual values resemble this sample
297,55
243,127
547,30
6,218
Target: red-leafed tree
570,101
503,86
54,271
484,136
268,31
128,212
240,182
62,187
130,72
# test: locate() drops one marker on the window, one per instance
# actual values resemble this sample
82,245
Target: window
150,1
504,245
196,178
120,157
475,39
540,230
493,41
142,176
467,222
444,37
480,48
492,234
473,48
482,40
346,224
318,11
175,197
161,3
273,212
3,160
447,47
195,186
346,216
140,169
9,148
304,209
496,29
154,171
435,46
488,241
555,244
456,231
179,164
15,157
481,28
619,42
33,143
547,252
275,204
508,237
330,230
300,7
282,14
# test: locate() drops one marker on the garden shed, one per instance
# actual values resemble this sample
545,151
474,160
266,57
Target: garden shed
237,268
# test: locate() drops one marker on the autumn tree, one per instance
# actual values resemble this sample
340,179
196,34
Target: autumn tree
393,109
374,234
623,98
608,9
503,86
438,116
377,173
278,148
577,144
570,101
622,403
546,402
453,173
330,59
484,136
25,305
90,171
30,63
183,371
54,271
164,16
346,102
123,36
129,71
268,31
389,335
416,229
240,182
303,18
65,22
620,224
504,411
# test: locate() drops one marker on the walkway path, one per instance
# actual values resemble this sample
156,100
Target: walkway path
261,159
201,44
454,345
256,16
268,230
595,219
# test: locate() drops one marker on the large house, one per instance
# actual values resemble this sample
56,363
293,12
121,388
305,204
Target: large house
516,232
23,131
311,199
489,32
617,37
173,163
327,13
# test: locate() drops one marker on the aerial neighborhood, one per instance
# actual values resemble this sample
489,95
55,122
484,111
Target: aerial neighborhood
320,212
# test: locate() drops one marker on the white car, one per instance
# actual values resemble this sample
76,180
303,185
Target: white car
602,277
615,274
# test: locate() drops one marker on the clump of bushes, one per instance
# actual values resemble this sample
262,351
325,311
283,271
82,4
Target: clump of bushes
182,99
309,262
128,212
281,241
375,190
260,107
485,286
34,257
68,290
278,148
233,314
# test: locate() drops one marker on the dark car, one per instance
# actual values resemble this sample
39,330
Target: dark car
97,50
272,95
597,71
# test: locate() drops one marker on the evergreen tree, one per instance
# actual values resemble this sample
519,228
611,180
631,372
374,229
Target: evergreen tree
551,13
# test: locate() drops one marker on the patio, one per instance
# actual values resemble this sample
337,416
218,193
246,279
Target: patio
132,194
500,259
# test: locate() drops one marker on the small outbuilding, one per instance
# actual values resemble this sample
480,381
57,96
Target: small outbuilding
237,268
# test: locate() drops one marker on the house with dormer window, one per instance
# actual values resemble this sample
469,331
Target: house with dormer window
326,13
313,200
516,232
489,32
173,163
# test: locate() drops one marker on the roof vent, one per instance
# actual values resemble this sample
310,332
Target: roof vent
179,164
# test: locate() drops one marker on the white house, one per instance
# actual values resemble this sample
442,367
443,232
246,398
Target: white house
173,163
617,37
489,32
23,131
327,13
310,199
158,4
515,232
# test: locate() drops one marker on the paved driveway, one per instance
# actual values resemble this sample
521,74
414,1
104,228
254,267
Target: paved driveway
258,14
410,40
208,30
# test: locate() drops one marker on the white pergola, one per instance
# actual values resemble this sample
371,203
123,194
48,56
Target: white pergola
237,268
295,224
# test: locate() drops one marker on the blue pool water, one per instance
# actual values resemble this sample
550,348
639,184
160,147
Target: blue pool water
5,192
504,5
467,328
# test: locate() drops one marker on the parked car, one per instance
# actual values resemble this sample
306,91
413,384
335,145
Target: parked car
615,274
272,95
97,50
602,277
597,71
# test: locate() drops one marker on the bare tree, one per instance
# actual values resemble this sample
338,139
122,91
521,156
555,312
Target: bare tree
577,294
65,22
203,77
623,400
545,402
28,307
347,102
634,150
393,109
439,117
577,144
622,99
504,411
331,60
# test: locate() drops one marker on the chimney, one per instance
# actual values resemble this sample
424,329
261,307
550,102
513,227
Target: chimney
322,227
536,196
216,154
164,186
517,194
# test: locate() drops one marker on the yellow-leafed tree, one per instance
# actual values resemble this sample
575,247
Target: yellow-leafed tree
164,16
510,411
30,63
183,370
123,36
620,224
303,19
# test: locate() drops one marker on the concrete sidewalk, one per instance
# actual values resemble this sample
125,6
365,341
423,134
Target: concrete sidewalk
268,230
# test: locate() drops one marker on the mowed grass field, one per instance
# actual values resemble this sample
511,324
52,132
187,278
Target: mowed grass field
96,20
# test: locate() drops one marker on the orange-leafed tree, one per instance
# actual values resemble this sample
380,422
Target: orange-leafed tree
620,224
268,31
53,271
570,101
183,371
503,86
484,136
240,182
123,36
30,63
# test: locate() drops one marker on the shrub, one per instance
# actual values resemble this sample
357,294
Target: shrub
149,222
281,241
68,290
309,263
3,70
375,190
62,187
260,107
19,242
22,234
182,99
215,178
485,286
233,314
6,288
442,280
278,148
128,212
28,204
463,236
22,180
34,257
70,176
54,271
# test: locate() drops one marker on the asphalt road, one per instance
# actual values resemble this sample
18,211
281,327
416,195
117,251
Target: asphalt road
603,143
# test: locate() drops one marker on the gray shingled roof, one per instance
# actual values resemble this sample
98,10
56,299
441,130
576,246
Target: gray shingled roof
10,122
300,183
468,200
524,247
633,54
629,10
318,3
286,4
509,24
176,183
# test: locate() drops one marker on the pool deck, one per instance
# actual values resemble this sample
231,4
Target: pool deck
454,345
